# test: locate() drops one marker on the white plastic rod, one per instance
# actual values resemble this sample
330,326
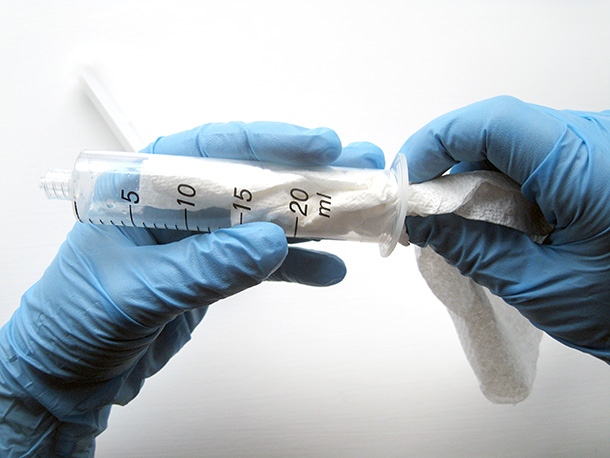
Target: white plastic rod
120,124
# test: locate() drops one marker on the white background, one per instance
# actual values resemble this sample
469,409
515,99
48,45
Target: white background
368,368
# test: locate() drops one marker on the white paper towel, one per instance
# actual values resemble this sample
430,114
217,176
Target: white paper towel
500,344
483,195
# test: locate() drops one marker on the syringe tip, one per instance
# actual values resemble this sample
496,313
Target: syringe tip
57,184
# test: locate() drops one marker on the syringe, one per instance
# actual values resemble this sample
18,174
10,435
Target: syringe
205,194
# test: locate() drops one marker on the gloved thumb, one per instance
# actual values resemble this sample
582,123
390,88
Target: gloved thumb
162,281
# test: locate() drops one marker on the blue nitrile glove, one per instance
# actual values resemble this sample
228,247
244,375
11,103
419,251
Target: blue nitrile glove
561,159
117,303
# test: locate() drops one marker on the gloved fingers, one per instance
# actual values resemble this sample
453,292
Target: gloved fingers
263,141
514,136
556,157
361,155
549,285
160,282
504,260
309,267
304,266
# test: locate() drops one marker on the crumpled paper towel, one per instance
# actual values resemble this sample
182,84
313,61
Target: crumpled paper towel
500,344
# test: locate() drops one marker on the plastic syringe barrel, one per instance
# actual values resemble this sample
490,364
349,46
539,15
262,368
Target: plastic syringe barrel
205,194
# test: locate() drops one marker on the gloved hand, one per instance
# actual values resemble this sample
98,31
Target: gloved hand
117,303
561,159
